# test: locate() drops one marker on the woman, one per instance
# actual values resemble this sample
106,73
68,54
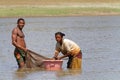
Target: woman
69,49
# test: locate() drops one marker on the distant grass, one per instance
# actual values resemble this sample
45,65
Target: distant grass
65,11
34,8
53,2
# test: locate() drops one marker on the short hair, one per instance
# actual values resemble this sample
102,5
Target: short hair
60,33
20,19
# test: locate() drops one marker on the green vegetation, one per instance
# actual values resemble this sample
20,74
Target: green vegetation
34,8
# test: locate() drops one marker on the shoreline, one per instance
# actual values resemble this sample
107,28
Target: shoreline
60,16
83,9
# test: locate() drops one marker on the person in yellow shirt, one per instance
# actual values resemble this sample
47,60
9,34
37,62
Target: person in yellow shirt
69,49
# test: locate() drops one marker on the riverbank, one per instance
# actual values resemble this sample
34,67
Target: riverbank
38,9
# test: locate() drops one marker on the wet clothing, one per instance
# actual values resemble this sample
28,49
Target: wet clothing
70,47
74,62
19,55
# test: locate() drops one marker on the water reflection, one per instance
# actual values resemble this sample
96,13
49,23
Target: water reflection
69,72
21,74
25,74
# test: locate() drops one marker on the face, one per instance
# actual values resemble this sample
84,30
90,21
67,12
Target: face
21,24
58,38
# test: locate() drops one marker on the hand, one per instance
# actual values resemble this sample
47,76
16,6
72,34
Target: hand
25,50
59,58
55,58
52,58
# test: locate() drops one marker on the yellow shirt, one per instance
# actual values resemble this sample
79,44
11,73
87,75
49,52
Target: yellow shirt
67,46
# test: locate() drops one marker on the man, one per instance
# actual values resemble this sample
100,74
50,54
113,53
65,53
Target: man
19,43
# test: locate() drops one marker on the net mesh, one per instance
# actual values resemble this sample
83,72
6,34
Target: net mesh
34,60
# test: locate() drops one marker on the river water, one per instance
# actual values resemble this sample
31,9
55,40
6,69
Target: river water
98,37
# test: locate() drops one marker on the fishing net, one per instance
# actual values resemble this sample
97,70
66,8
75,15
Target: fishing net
34,60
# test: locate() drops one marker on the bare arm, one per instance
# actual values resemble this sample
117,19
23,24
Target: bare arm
56,54
66,55
14,40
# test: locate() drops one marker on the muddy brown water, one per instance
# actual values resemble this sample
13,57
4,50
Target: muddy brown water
98,37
